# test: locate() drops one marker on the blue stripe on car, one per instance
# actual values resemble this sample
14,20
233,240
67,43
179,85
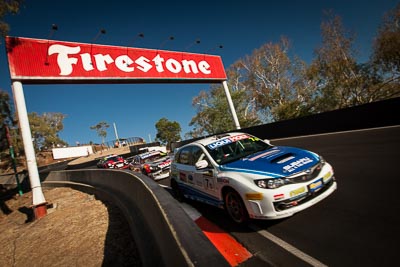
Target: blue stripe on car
269,174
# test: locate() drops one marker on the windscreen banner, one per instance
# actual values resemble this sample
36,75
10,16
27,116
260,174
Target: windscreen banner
35,61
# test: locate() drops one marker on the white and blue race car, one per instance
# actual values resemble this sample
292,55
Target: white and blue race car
249,177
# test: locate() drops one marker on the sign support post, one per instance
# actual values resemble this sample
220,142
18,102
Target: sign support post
231,106
39,202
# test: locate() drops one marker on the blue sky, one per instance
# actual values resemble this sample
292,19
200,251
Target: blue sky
239,26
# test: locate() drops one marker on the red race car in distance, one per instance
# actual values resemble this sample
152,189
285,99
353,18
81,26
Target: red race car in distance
112,162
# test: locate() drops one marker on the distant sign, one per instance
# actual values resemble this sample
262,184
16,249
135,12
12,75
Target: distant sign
72,152
35,61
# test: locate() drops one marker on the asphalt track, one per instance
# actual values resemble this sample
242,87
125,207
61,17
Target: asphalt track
356,226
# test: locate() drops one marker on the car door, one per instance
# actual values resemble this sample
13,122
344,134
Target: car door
204,179
184,168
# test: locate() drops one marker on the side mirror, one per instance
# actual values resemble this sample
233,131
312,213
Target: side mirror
201,164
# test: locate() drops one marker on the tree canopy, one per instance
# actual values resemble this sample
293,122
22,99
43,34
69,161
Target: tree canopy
101,129
45,129
6,118
8,7
270,85
167,131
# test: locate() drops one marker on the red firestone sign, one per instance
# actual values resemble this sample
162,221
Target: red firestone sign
35,61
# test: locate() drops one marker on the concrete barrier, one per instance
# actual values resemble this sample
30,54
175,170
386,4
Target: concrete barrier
164,233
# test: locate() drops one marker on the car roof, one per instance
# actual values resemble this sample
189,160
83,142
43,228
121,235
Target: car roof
145,155
211,139
111,156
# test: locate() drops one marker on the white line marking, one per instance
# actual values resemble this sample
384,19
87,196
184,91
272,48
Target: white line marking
340,132
298,253
190,211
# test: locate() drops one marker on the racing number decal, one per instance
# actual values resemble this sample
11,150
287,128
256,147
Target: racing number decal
209,183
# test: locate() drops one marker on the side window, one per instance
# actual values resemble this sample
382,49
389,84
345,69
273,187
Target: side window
190,155
184,155
198,154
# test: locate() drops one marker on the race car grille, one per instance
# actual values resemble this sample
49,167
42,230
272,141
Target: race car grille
296,201
306,176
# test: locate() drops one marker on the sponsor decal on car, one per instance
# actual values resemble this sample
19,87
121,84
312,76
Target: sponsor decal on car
227,141
314,187
297,164
182,177
297,191
165,164
223,180
327,177
209,183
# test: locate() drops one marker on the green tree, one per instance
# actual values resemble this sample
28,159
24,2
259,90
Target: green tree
101,129
269,85
341,81
265,86
8,7
45,129
6,118
277,83
387,44
385,60
167,131
213,112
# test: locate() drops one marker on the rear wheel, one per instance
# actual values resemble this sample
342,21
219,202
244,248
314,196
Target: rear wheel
235,207
176,191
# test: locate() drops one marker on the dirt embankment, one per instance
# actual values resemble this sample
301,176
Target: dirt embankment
78,230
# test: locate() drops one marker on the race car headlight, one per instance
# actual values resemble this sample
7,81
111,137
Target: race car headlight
270,183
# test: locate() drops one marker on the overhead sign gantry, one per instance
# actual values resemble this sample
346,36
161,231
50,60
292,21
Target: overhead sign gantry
40,61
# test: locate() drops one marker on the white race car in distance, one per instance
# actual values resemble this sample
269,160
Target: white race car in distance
249,177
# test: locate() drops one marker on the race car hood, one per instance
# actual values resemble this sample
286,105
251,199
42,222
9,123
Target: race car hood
278,161
162,164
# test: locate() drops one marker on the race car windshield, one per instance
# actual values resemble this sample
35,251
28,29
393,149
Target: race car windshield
233,151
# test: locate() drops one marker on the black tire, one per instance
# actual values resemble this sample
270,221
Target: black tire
176,191
235,207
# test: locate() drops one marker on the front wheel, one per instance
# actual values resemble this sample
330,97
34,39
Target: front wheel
235,207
